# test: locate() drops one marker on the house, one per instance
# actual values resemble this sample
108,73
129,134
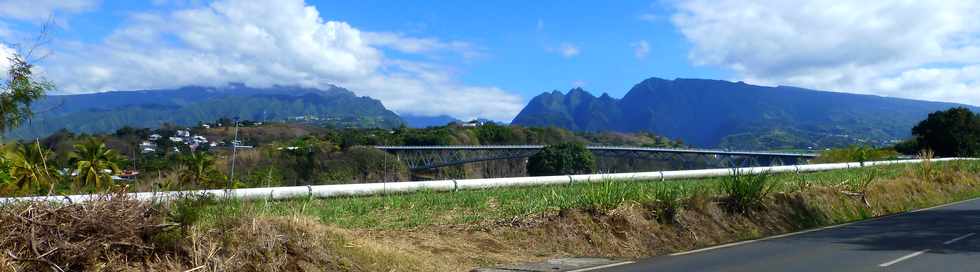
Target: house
183,133
149,144
148,150
154,137
126,175
206,126
176,139
198,139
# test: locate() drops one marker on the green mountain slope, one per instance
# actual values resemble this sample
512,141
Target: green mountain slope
106,112
715,113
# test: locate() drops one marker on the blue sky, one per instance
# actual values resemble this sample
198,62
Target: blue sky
486,59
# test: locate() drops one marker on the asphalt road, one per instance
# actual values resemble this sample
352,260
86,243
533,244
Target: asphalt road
946,238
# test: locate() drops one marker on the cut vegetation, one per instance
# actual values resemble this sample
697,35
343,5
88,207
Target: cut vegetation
458,231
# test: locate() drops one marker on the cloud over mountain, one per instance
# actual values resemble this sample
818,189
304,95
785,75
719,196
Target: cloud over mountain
916,49
263,43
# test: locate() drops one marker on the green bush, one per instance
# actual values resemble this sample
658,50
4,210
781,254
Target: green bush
746,190
562,159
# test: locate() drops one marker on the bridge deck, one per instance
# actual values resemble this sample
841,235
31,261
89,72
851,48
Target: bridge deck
604,148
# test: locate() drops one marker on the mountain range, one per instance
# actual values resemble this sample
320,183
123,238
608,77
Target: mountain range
185,106
723,114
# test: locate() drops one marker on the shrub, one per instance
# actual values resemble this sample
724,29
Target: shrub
187,210
746,190
562,159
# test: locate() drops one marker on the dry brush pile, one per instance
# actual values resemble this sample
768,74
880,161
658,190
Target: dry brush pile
40,236
118,233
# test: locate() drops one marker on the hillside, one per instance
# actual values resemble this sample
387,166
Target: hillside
106,112
715,113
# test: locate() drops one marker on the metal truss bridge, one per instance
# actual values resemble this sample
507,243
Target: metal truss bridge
430,157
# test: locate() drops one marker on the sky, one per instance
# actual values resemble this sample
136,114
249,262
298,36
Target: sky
471,59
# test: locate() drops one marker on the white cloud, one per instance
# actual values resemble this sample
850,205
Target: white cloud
41,10
568,50
640,49
262,43
5,54
414,45
915,49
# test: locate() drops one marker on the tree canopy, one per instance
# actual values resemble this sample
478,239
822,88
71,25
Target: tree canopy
562,159
953,132
18,91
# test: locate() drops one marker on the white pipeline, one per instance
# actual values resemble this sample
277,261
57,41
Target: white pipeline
363,189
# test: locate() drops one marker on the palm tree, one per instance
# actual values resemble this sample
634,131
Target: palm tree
94,164
199,168
31,168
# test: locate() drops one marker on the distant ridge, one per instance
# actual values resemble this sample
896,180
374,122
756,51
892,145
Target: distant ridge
108,111
420,121
716,113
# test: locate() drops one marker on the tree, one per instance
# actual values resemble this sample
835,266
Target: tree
953,132
31,168
562,159
94,164
18,91
199,169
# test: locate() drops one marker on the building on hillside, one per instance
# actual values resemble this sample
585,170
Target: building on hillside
199,139
154,137
183,133
148,147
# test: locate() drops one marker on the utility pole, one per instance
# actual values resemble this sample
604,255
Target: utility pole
234,152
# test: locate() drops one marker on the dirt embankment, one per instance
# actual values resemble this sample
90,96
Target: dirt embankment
33,237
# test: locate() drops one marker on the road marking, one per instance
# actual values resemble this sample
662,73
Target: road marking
820,228
906,257
957,239
601,266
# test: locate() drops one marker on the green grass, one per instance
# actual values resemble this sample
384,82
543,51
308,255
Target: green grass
503,204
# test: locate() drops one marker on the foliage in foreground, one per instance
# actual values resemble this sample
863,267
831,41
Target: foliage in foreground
469,206
383,232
